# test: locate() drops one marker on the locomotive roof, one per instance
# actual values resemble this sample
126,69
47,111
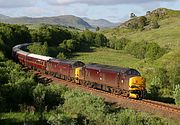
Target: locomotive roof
107,67
71,62
46,58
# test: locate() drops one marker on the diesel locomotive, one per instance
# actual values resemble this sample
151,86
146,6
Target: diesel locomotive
122,81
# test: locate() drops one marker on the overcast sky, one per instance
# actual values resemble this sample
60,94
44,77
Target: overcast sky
112,10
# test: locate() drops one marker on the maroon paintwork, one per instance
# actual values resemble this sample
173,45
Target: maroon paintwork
112,76
21,56
36,63
63,67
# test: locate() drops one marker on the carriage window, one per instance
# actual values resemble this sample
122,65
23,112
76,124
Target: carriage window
133,72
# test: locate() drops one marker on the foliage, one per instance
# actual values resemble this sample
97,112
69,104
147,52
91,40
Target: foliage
155,89
100,40
16,85
37,48
118,44
154,25
177,94
53,35
82,108
63,42
143,50
77,102
12,35
49,96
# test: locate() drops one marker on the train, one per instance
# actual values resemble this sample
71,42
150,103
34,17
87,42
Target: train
121,81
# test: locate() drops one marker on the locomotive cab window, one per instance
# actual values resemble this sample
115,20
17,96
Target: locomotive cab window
78,64
133,72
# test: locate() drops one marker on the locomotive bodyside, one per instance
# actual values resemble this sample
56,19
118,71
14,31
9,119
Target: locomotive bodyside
112,79
64,69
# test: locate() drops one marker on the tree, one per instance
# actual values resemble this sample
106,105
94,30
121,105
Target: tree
97,28
100,40
132,15
53,35
148,12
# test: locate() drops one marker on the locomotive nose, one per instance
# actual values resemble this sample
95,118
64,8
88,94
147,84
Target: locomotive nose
137,83
136,87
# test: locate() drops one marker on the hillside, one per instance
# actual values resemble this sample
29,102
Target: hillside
167,35
3,17
66,20
102,23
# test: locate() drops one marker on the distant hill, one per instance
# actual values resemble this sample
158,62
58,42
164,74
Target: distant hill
100,23
3,17
66,20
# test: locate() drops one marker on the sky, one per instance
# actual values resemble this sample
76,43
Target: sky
112,10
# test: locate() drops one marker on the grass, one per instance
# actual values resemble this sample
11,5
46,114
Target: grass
109,57
166,36
18,118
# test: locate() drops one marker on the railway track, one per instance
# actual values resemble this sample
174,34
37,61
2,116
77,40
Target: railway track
150,106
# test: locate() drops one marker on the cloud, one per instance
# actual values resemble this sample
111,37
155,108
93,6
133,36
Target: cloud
103,2
17,3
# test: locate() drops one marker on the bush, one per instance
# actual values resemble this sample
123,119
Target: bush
154,25
143,50
137,49
118,44
100,40
177,95
91,107
37,48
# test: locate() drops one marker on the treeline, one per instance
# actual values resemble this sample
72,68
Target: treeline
61,43
11,35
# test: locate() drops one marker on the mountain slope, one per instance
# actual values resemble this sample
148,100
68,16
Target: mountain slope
66,20
100,23
166,35
3,17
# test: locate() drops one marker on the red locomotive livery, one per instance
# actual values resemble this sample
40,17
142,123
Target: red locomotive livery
124,81
109,78
64,69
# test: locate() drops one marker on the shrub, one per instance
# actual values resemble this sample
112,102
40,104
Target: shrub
118,44
154,25
38,48
177,94
144,49
89,106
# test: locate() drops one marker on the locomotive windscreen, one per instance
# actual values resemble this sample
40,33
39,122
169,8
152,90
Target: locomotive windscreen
78,64
133,72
